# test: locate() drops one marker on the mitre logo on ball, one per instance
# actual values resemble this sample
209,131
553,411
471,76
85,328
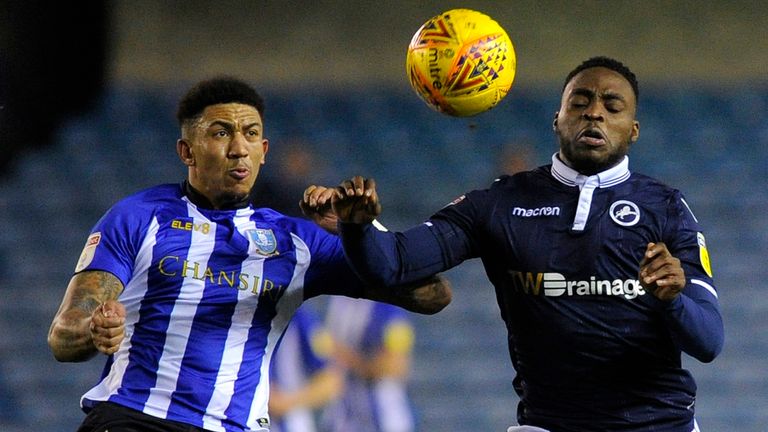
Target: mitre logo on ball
461,62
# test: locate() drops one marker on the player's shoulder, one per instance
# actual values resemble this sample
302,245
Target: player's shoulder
523,179
502,187
651,187
153,194
149,199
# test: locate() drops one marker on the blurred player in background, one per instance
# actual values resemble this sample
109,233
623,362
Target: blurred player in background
303,377
517,156
187,287
602,275
282,183
374,345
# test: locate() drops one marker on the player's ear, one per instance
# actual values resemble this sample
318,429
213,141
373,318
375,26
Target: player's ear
554,121
184,150
265,148
635,134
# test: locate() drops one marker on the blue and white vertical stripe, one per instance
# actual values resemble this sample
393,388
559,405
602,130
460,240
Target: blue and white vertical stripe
206,302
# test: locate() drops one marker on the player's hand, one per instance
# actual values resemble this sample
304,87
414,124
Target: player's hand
108,326
279,403
660,273
316,205
356,201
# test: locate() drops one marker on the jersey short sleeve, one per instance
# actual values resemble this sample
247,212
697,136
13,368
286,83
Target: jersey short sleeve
115,240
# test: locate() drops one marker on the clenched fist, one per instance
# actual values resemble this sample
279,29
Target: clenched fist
108,326
660,273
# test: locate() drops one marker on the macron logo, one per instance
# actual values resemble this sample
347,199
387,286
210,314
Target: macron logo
541,211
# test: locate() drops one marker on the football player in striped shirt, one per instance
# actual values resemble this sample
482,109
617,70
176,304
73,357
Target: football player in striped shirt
303,375
374,344
602,274
187,287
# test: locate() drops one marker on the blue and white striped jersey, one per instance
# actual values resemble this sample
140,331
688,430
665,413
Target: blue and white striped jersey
303,351
207,295
592,349
370,405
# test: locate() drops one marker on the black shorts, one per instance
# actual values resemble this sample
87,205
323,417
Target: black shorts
111,417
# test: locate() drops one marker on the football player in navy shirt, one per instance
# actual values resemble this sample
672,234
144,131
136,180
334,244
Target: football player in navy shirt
188,287
602,274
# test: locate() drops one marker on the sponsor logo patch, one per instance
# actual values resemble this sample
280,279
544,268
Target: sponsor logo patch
704,254
190,225
457,200
86,257
552,284
536,212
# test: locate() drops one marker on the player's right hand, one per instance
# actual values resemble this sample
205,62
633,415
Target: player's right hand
356,201
108,326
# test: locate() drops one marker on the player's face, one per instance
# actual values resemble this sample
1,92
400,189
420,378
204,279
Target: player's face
226,150
596,122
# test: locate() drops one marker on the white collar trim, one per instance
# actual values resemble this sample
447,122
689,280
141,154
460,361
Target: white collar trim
610,177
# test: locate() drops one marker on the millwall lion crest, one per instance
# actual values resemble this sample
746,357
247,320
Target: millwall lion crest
263,240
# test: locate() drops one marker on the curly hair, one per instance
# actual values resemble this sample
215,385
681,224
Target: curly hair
607,63
214,91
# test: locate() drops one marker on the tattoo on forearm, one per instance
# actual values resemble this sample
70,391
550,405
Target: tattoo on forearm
425,297
94,288
69,335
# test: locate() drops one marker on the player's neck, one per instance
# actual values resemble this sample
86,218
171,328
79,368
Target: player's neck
202,201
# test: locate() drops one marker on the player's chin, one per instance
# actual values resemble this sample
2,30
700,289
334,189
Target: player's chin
239,188
594,160
234,195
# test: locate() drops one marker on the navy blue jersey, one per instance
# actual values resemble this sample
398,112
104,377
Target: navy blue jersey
592,349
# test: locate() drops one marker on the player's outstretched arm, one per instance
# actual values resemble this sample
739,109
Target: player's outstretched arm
90,319
426,297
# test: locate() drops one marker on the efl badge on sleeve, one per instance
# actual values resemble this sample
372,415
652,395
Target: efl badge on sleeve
703,254
456,201
263,240
88,251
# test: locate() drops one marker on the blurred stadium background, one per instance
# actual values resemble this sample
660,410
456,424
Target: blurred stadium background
88,97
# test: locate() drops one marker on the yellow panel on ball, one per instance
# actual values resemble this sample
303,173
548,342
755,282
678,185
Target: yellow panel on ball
461,62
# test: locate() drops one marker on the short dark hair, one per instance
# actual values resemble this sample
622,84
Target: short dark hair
607,63
218,90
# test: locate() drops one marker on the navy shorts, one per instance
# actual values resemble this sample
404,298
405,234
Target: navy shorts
111,417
